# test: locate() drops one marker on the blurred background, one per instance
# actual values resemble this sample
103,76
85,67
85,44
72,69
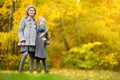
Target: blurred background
84,34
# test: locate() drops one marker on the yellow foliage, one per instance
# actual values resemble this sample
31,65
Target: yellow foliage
8,2
4,40
75,49
111,59
109,20
85,48
18,16
100,23
3,11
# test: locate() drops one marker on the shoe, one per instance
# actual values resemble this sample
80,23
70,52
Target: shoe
46,72
31,71
19,71
38,71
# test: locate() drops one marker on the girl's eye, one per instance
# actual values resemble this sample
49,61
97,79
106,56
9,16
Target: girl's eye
31,10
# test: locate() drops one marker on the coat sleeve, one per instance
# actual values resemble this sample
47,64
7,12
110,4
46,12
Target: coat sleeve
21,30
47,39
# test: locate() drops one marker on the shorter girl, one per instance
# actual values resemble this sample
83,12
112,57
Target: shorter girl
42,40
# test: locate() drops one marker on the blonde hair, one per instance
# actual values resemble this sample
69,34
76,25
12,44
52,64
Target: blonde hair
40,18
27,9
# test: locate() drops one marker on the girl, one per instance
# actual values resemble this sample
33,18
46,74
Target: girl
27,36
41,41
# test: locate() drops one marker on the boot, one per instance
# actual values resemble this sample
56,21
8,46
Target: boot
38,71
46,71
31,71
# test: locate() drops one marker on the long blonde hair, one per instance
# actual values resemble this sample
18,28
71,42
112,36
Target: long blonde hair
40,18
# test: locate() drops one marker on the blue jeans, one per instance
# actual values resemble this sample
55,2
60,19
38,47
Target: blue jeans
25,54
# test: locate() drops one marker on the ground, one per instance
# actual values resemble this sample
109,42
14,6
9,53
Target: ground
76,74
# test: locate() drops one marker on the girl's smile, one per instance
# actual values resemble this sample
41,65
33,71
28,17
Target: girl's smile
31,12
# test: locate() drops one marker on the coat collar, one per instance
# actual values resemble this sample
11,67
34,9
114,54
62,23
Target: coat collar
29,19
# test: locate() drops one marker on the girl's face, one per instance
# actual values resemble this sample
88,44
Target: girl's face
31,12
42,22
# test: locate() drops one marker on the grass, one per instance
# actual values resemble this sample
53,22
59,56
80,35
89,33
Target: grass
26,76
62,74
89,74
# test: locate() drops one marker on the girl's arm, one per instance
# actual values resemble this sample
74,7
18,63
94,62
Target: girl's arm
47,41
37,29
20,31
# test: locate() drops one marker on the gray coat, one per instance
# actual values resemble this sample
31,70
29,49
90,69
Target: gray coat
40,51
27,31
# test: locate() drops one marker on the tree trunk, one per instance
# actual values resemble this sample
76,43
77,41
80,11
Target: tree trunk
12,9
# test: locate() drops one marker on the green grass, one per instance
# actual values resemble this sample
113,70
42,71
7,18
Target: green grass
26,76
62,74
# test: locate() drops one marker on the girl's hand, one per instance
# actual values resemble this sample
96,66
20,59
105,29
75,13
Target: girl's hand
22,43
44,39
47,42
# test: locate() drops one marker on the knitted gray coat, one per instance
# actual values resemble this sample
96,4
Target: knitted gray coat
27,31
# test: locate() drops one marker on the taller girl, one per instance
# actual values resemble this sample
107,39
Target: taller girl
27,36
